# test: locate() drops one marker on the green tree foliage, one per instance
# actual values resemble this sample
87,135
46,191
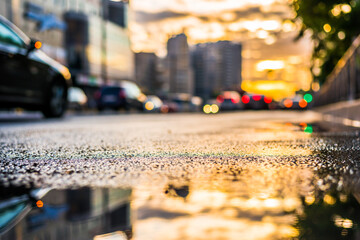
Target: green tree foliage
333,25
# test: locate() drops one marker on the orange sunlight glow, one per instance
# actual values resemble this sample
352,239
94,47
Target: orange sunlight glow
269,65
264,28
275,89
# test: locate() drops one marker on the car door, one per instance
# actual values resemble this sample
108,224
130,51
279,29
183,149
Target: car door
16,78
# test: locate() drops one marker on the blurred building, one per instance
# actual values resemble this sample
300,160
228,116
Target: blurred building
91,37
146,72
98,45
180,72
41,20
70,214
217,67
162,77
205,58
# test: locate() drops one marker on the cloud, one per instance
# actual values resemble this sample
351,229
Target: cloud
254,12
145,17
238,24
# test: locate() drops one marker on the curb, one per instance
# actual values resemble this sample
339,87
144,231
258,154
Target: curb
346,113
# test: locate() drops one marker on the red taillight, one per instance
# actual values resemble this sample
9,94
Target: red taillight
235,100
122,94
256,97
97,95
220,99
245,99
267,100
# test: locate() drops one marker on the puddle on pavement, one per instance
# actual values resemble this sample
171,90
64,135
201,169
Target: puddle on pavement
173,211
297,193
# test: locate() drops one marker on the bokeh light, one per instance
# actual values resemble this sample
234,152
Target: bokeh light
288,103
38,44
303,103
220,99
207,109
149,106
164,109
308,97
245,99
214,108
327,28
267,100
308,129
39,204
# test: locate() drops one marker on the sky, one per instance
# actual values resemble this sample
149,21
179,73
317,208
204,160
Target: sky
273,62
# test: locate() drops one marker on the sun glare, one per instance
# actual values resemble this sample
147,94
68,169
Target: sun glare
269,65
275,89
263,27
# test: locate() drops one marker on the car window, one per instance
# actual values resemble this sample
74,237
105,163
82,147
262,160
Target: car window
9,37
112,91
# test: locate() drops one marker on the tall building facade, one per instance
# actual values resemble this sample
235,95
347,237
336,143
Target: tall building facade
98,45
146,72
91,37
41,20
178,60
217,67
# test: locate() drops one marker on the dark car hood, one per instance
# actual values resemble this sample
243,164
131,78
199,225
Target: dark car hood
40,56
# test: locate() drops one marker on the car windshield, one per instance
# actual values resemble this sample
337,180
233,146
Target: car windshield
24,38
10,37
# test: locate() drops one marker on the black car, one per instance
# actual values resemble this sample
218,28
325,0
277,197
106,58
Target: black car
256,101
229,101
125,96
110,97
28,77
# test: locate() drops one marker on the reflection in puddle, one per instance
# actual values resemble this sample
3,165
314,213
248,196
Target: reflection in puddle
281,188
177,212
66,214
331,215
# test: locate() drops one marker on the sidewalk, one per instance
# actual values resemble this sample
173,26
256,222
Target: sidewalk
347,113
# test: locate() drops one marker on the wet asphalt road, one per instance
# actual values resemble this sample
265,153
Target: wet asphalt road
245,175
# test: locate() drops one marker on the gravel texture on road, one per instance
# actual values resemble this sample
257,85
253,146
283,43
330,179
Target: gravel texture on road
127,150
245,175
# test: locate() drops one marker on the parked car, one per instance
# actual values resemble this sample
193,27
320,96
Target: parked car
295,103
110,97
256,101
183,102
229,100
153,104
29,78
77,99
169,107
211,106
125,96
134,97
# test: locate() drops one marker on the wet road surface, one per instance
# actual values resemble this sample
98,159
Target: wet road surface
247,175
